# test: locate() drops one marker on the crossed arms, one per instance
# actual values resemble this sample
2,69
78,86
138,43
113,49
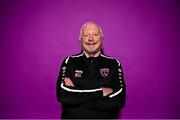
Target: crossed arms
103,98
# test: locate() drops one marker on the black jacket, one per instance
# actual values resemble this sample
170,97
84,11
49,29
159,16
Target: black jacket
89,75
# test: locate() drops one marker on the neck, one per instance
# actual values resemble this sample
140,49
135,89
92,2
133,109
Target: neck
92,55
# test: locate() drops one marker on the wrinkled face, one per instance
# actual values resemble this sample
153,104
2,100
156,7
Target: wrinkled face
91,39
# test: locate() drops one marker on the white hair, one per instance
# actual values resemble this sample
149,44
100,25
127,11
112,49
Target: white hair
84,25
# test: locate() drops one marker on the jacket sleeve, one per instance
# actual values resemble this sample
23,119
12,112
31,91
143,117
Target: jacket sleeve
72,95
115,100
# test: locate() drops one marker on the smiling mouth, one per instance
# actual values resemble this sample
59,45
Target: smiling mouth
90,43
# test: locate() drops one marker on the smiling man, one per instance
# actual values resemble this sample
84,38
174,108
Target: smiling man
91,84
91,39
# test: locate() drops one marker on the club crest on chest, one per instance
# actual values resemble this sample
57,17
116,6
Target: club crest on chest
104,72
78,73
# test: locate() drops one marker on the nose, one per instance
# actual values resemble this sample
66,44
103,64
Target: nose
90,38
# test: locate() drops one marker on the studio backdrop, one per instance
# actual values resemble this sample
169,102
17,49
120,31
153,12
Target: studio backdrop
36,35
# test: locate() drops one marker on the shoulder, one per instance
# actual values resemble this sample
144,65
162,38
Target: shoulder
110,59
73,57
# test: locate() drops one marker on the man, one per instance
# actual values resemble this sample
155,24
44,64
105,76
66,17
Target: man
90,84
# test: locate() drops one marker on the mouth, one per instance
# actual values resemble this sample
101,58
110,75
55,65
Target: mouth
90,44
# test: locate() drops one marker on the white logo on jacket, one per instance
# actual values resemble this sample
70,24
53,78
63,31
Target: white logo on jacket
78,73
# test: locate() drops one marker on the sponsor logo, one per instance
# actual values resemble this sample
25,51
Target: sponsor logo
78,73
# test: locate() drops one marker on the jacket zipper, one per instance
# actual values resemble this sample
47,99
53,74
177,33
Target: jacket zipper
91,68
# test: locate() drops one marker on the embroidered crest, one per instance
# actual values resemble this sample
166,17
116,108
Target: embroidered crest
78,73
104,72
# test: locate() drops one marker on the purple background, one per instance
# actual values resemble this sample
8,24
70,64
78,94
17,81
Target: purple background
36,35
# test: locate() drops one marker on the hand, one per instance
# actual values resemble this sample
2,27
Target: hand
107,91
68,82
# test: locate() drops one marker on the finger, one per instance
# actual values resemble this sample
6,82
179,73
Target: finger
65,79
70,81
66,82
107,91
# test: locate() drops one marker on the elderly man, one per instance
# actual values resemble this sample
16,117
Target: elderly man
90,84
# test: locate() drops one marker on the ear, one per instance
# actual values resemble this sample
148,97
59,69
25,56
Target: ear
80,38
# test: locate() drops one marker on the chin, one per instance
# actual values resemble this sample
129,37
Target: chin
92,51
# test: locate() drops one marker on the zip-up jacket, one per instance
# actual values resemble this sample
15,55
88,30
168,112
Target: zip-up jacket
85,99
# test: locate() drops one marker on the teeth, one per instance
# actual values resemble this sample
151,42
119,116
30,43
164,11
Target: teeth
90,43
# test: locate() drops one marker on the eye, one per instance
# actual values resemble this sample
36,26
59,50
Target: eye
86,35
96,34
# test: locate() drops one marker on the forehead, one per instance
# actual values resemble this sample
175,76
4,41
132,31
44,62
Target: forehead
91,27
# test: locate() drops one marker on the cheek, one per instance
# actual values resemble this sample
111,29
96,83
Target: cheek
84,40
98,44
97,39
84,45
